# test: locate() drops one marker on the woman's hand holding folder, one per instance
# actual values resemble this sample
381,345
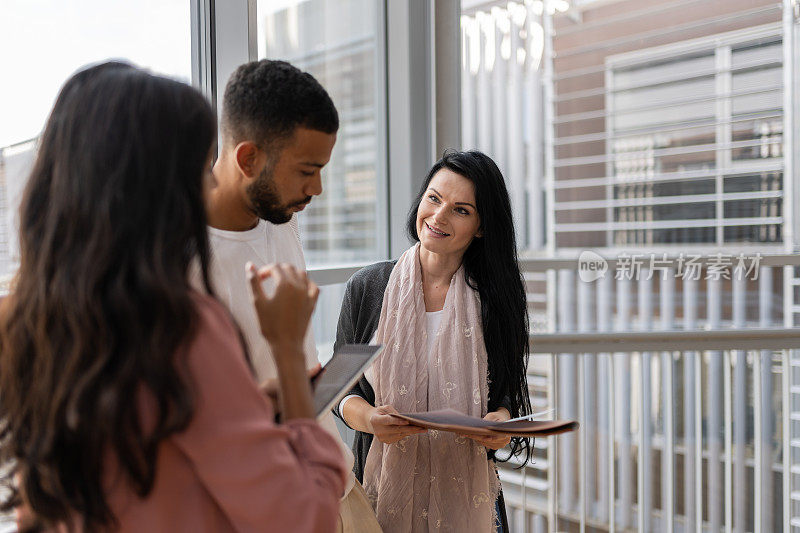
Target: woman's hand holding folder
493,442
387,428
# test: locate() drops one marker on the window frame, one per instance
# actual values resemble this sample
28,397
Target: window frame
407,100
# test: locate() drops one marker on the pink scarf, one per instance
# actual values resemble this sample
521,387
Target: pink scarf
435,481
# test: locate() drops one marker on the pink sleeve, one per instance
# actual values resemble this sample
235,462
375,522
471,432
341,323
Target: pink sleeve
263,475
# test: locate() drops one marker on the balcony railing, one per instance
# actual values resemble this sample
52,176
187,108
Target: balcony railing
687,388
671,439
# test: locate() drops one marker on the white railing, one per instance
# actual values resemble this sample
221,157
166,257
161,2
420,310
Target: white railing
686,390
660,447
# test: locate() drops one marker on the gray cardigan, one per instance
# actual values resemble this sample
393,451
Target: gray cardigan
358,321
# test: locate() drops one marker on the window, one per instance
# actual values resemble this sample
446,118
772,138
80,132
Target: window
501,101
43,43
339,43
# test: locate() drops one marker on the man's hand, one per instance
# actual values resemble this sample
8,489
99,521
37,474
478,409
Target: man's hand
284,315
387,428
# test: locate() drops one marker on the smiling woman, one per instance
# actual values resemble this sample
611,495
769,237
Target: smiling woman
452,315
447,219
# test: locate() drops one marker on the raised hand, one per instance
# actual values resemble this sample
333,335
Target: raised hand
284,315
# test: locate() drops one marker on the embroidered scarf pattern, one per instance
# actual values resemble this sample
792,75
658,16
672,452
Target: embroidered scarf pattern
435,481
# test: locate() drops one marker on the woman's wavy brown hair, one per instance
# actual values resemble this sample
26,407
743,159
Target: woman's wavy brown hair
111,220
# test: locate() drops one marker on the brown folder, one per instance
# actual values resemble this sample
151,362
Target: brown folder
453,421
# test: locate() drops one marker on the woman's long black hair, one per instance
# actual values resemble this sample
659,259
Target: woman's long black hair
101,310
491,268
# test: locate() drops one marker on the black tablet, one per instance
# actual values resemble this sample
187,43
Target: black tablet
339,374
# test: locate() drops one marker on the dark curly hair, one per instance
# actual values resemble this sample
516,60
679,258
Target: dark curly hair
111,220
265,101
491,268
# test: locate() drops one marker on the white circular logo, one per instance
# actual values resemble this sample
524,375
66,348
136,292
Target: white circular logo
591,266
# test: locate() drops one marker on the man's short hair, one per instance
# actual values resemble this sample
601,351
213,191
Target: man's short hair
265,101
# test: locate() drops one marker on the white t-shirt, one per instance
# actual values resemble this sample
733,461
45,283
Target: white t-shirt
264,244
433,320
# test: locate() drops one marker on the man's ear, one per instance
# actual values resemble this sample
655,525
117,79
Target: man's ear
249,158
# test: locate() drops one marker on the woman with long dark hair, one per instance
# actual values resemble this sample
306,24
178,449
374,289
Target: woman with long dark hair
452,315
127,400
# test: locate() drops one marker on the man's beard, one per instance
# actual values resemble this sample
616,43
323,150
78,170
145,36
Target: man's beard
266,202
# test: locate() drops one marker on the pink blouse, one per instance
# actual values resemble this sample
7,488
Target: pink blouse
233,468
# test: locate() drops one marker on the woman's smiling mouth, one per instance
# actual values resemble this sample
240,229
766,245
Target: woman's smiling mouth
435,231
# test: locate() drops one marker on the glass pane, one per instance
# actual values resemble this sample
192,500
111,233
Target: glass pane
671,96
338,42
502,47
50,40
325,319
669,70
151,33
759,91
